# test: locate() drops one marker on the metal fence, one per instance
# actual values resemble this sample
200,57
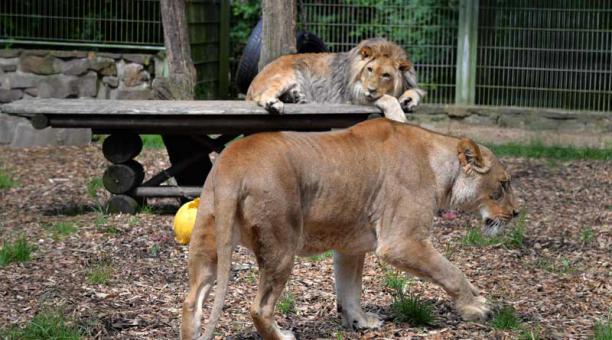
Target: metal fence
93,23
544,53
428,33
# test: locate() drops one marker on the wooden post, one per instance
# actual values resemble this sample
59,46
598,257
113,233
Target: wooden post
465,88
278,31
224,36
182,74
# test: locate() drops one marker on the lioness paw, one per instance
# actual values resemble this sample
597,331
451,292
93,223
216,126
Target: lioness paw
362,321
274,106
477,310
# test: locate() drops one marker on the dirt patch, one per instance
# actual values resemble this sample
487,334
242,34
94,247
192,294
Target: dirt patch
558,282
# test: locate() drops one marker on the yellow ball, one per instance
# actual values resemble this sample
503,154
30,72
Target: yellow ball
184,221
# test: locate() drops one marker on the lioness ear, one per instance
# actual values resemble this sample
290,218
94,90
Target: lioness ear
470,157
365,52
405,66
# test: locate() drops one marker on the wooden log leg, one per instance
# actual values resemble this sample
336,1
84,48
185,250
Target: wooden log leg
124,204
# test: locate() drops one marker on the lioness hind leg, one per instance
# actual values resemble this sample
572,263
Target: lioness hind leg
273,275
202,266
348,270
421,259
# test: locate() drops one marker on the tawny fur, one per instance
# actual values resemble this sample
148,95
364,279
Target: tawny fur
375,72
372,187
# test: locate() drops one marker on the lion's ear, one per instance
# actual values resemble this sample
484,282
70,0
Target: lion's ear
365,52
405,65
470,157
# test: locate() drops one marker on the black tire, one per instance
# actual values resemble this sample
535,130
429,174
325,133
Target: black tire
306,42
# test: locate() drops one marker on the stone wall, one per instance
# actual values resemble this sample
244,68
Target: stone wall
499,124
30,74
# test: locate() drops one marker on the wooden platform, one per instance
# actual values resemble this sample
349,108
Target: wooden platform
191,121
183,117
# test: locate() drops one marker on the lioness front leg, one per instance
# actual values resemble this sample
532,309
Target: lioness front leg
421,259
348,270
391,108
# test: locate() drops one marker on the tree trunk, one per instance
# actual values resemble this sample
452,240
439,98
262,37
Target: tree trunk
180,85
181,81
278,31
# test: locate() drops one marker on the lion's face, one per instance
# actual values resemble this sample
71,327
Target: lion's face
484,185
379,77
380,73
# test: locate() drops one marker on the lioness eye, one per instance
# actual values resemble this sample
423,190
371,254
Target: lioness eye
369,69
496,195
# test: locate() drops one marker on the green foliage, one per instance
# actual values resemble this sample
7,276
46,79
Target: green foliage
587,235
537,149
6,182
18,251
413,310
395,280
152,142
408,308
475,238
45,325
61,229
286,304
530,334
603,330
322,256
561,266
506,318
511,238
93,186
100,273
516,236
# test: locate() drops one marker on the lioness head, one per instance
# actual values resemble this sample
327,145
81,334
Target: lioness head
379,70
483,184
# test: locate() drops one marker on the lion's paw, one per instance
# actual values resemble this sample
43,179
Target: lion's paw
477,310
362,321
274,106
410,100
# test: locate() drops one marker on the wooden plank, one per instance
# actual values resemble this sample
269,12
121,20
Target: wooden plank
50,107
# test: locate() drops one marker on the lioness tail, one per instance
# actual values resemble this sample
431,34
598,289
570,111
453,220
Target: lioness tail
225,213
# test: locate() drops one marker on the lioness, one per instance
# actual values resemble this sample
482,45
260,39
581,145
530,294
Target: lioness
372,187
375,72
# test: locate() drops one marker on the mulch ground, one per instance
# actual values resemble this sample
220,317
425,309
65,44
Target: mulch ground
559,282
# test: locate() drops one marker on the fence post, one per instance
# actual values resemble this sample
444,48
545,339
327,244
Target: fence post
465,87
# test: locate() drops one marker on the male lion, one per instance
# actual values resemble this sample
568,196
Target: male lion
375,72
372,187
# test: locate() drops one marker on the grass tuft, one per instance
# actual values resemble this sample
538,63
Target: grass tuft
6,182
603,330
45,325
286,304
18,251
587,235
530,334
152,142
506,318
395,281
537,149
100,274
61,229
93,186
413,310
322,256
